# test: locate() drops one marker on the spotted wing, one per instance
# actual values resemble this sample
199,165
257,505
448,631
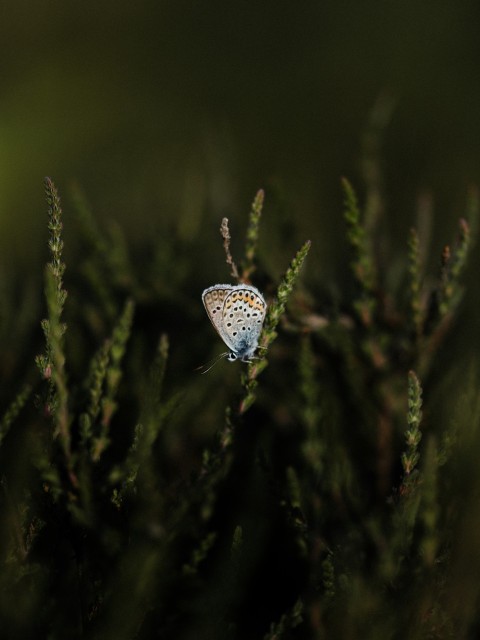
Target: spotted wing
243,314
213,301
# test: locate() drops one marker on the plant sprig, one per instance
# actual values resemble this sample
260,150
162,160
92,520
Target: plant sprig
363,263
274,312
52,363
413,435
225,232
251,242
453,263
112,376
13,410
414,285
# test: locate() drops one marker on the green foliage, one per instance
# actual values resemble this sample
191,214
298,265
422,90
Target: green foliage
362,259
288,621
252,235
275,311
415,276
413,434
322,499
52,364
13,410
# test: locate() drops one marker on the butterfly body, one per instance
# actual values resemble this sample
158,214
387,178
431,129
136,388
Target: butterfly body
237,312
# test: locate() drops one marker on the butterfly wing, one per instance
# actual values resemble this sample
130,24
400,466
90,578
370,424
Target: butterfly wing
213,301
243,314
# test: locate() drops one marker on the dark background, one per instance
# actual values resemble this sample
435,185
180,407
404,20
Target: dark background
163,110
171,115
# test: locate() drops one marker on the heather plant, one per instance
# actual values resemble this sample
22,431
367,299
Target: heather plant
312,493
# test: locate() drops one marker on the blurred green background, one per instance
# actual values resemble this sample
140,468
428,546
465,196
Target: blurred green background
162,110
171,115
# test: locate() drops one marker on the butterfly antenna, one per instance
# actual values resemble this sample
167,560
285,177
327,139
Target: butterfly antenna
212,363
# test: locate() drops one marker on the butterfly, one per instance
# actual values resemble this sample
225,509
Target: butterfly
237,312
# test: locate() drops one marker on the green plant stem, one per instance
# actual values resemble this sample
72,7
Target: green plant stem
52,364
249,266
268,335
363,263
